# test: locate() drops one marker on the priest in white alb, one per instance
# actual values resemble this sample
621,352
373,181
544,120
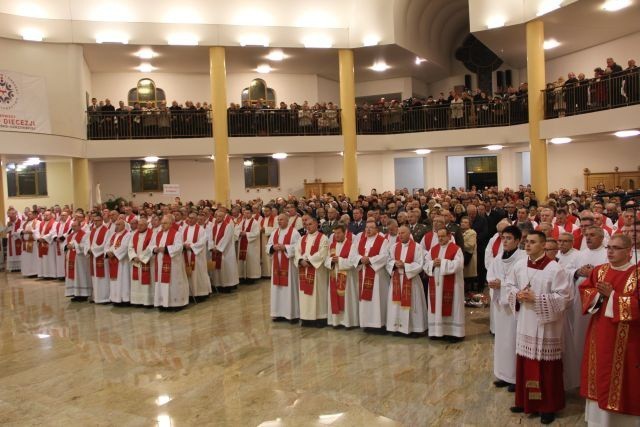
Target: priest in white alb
29,257
225,268
194,238
77,274
45,236
343,279
280,249
268,224
444,264
142,265
63,228
119,264
97,248
311,252
172,285
492,252
247,233
14,241
406,302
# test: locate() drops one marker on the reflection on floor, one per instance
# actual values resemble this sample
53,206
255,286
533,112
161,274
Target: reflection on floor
224,362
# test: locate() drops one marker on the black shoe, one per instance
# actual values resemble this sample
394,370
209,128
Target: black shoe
517,409
511,388
547,417
294,321
307,323
320,323
500,383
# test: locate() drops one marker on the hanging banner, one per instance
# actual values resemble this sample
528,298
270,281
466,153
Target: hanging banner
24,106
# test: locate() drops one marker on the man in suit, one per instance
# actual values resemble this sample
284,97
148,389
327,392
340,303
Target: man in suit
453,228
332,220
417,229
480,225
357,225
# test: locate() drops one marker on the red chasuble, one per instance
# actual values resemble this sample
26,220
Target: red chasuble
244,241
577,238
367,275
611,361
218,234
113,261
16,226
190,260
43,247
449,281
165,275
280,262
71,257
401,292
338,279
496,246
307,275
99,268
143,276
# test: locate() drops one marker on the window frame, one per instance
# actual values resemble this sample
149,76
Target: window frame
161,168
273,172
37,171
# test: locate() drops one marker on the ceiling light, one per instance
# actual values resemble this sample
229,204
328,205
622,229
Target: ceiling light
146,53
182,39
495,22
494,147
370,40
32,161
276,55
151,159
380,66
627,133
420,60
550,44
562,140
145,67
11,166
20,168
422,151
317,41
248,163
279,156
163,399
212,157
112,38
548,6
264,69
254,40
615,5
43,336
32,35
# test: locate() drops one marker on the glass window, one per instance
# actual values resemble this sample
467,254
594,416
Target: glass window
27,180
149,176
261,172
146,93
257,91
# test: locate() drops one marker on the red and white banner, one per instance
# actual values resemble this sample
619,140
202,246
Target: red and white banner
24,106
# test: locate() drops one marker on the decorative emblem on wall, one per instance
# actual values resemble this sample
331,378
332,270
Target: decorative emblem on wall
8,92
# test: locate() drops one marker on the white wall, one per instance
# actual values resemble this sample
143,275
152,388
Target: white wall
409,172
328,90
379,87
59,188
288,87
456,174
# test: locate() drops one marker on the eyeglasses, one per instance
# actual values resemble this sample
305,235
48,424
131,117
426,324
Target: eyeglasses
615,248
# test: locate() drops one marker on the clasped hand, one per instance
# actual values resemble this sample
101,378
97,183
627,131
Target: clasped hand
526,295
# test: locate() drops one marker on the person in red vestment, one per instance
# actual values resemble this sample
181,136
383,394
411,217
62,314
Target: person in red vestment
611,363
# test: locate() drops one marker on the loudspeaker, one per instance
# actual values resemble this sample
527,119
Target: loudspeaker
507,77
500,80
467,81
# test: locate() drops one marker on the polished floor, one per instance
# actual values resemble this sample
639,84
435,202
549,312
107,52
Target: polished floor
224,362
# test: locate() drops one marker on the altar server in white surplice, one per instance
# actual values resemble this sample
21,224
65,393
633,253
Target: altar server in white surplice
98,245
45,235
77,274
29,258
194,239
281,250
172,285
142,265
247,233
311,252
268,224
119,265
373,279
343,279
504,348
444,265
406,302
492,252
63,228
14,242
225,273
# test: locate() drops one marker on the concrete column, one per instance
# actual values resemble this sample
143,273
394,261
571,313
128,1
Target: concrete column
218,77
348,105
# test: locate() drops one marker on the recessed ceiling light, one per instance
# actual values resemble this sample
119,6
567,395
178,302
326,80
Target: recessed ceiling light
254,40
112,38
494,147
32,161
627,133
420,60
560,140
151,159
550,44
317,41
32,35
248,163
146,53
275,55
422,151
43,336
145,67
264,69
279,156
183,39
370,40
380,66
615,5
548,6
495,22
11,166
212,157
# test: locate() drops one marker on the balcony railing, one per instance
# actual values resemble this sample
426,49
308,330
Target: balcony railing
585,96
265,122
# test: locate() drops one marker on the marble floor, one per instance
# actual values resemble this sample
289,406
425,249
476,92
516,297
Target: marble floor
223,362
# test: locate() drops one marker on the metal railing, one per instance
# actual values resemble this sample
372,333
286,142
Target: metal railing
585,96
267,122
148,124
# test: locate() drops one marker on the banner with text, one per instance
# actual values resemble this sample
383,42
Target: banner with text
24,106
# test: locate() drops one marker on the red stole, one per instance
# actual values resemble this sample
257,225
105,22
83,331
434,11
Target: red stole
113,261
218,233
401,292
338,279
577,239
280,266
307,275
367,275
496,246
146,268
16,226
99,268
65,230
43,247
71,258
270,221
428,239
449,281
130,218
190,261
165,275
244,241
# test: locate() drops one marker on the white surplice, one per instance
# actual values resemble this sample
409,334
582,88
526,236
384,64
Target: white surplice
488,259
373,314
407,319
101,285
62,231
265,234
568,260
285,301
349,316
250,267
120,287
14,244
314,306
176,292
226,274
142,294
29,257
199,281
80,285
47,263
450,325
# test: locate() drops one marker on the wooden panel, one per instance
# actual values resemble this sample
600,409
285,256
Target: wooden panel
630,180
334,188
318,188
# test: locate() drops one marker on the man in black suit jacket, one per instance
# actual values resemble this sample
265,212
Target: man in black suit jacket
480,225
417,229
357,225
332,221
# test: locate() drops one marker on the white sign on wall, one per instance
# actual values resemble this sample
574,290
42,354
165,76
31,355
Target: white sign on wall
171,189
24,106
